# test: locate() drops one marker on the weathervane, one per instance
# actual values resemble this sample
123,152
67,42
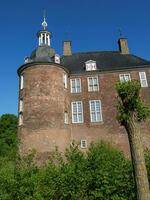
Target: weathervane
44,23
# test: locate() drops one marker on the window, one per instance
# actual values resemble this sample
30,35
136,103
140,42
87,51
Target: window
20,119
93,84
65,81
75,85
57,58
143,79
77,112
20,112
83,144
124,77
21,105
90,65
66,117
95,110
21,82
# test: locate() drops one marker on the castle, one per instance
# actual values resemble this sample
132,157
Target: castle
73,97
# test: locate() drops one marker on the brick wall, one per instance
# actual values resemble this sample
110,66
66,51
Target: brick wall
45,101
109,129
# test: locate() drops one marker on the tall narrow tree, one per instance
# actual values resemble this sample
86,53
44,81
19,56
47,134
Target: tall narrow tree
131,111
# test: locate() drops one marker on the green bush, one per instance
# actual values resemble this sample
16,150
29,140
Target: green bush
101,173
8,135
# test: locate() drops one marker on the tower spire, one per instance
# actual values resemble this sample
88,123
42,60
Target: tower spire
44,35
44,23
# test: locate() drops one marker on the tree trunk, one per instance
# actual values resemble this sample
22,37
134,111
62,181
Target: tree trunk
138,161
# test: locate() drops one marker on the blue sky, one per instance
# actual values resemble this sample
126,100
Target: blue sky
91,25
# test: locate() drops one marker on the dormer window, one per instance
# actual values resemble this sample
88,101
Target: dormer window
57,58
90,65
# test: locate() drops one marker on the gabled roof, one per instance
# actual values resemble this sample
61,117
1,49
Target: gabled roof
105,61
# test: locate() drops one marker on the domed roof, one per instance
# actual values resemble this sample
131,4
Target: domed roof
42,53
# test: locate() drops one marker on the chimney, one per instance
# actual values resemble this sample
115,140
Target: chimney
123,45
67,48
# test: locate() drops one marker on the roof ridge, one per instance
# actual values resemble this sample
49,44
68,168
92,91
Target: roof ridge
89,52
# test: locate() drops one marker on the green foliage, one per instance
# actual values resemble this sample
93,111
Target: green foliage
8,135
110,174
129,102
6,178
147,160
101,173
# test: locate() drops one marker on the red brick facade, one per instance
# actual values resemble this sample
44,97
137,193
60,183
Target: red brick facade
45,100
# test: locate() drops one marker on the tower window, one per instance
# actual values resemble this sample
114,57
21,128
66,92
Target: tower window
20,119
21,82
93,84
77,112
95,110
83,144
124,77
75,85
65,81
90,65
21,106
66,120
143,79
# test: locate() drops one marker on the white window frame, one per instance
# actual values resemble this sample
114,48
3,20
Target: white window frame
57,59
21,81
65,80
77,113
66,118
20,119
143,81
95,112
21,105
76,88
93,87
83,144
90,65
124,77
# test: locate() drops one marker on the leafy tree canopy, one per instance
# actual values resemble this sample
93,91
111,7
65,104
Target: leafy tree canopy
130,102
8,134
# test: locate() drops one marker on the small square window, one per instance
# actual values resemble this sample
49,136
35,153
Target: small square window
57,59
83,144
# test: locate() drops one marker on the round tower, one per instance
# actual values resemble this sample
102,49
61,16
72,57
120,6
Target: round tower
43,100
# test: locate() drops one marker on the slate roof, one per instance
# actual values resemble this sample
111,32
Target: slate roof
105,61
42,53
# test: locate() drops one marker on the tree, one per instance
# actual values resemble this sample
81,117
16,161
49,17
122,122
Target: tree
131,111
8,135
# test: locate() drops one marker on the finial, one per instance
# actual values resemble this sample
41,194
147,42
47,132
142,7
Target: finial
44,23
